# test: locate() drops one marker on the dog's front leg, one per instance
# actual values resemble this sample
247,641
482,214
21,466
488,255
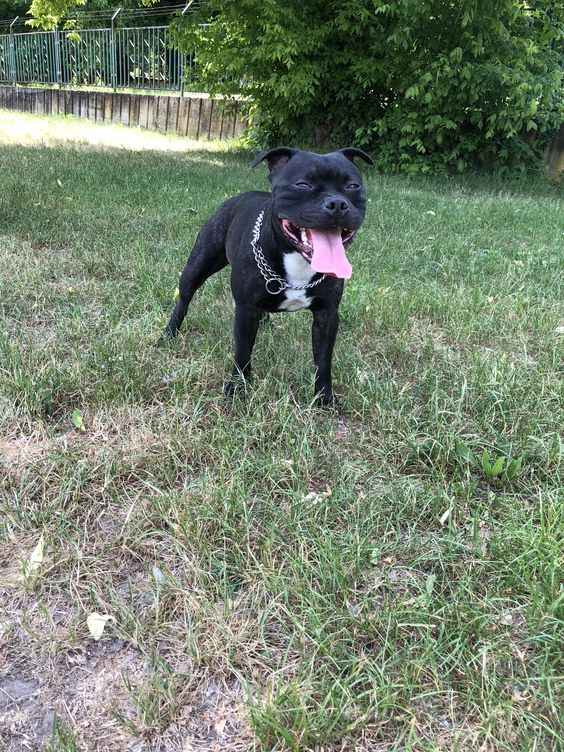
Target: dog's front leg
323,335
245,327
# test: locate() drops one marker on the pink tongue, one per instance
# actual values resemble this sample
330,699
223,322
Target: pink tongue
329,253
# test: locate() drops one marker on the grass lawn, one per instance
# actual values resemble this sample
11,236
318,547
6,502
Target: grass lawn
383,577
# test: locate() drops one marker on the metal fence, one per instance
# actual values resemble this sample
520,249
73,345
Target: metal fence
124,58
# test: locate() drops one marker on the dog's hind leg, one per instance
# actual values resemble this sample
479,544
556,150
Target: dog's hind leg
207,258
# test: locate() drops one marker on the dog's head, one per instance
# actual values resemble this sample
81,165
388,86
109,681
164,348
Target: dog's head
318,202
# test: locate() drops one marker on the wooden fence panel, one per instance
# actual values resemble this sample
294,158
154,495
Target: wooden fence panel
183,115
153,112
143,111
116,108
205,118
172,116
194,121
108,108
100,108
215,119
162,113
55,96
191,116
124,100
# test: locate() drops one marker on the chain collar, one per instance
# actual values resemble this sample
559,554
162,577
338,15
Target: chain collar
270,277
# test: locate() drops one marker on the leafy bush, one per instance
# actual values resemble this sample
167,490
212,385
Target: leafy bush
429,86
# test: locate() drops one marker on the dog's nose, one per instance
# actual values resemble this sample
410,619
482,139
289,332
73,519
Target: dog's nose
337,207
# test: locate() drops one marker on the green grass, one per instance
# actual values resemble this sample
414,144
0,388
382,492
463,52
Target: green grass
279,576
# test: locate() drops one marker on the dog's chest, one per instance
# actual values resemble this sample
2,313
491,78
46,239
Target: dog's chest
298,273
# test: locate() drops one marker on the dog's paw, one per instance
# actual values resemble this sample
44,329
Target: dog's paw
164,341
235,387
229,390
326,399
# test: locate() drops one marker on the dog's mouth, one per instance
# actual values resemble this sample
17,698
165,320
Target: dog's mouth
323,249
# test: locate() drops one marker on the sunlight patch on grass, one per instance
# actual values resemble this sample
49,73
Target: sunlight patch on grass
41,130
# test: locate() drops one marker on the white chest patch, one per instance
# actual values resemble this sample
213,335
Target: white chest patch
298,272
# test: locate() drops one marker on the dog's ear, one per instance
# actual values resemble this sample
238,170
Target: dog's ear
276,158
351,152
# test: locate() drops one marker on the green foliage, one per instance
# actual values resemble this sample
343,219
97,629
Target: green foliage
429,86
9,9
47,14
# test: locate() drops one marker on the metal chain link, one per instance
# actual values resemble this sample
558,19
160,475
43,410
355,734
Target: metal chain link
268,274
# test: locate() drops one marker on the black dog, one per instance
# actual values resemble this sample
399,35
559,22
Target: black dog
286,250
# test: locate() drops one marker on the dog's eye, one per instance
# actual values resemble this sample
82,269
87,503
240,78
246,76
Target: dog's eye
353,187
303,185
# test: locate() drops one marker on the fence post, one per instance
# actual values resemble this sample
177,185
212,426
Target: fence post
113,52
182,55
58,67
13,52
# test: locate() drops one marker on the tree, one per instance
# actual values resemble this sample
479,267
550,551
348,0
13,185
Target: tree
429,86
47,14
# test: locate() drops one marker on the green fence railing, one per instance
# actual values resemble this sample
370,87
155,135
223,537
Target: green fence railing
131,58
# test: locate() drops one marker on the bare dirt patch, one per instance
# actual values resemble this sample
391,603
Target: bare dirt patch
86,687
